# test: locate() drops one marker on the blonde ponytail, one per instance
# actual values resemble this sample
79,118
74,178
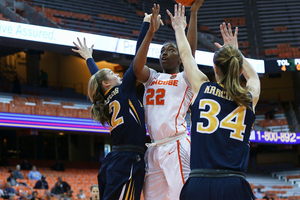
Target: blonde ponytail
230,61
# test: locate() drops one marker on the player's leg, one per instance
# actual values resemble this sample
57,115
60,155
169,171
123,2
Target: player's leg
102,179
176,166
216,188
124,174
138,176
155,185
195,188
235,188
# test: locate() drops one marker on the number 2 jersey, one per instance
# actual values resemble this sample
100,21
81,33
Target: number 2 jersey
127,113
127,117
166,100
220,130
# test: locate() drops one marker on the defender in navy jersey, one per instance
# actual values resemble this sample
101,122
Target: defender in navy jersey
115,103
222,118
217,121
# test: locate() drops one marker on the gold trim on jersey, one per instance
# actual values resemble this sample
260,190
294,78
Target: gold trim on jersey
131,105
107,91
130,191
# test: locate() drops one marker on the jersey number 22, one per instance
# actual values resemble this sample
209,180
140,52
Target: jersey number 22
155,97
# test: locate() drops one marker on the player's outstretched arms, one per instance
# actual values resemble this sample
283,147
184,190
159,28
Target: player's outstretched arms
86,53
253,82
83,50
194,75
143,31
141,71
192,34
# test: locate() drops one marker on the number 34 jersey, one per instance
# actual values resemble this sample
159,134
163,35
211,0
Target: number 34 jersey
220,130
166,100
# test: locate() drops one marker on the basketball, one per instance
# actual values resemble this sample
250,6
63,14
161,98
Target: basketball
186,3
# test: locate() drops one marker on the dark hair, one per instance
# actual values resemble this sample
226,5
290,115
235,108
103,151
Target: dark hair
34,192
99,111
93,186
170,42
230,62
181,68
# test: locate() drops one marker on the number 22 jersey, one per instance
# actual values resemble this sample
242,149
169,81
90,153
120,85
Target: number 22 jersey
166,100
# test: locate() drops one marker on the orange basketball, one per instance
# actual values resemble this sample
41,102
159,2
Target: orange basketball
186,3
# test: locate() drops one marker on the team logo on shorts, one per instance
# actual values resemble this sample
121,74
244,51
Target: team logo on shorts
173,76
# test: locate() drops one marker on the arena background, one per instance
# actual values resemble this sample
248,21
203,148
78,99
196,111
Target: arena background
49,124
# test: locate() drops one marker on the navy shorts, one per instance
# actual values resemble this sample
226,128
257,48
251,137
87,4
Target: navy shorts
121,175
228,188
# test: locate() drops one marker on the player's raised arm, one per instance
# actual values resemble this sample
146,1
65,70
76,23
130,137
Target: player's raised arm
253,82
194,75
86,53
83,50
143,31
141,71
192,34
129,77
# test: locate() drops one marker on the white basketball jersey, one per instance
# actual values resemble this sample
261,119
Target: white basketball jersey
166,100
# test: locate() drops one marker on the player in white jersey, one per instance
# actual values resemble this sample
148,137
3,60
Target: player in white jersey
166,101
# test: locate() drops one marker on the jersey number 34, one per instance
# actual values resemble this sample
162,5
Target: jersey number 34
234,121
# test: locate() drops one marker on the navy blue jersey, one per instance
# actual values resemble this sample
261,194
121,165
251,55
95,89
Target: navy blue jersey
127,117
122,173
220,130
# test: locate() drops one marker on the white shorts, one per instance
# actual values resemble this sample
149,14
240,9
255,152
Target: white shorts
167,169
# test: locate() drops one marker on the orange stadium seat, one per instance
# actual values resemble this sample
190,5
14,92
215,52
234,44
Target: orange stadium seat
2,182
294,197
4,107
40,192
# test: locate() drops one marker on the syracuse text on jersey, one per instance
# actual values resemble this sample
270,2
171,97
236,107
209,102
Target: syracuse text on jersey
168,82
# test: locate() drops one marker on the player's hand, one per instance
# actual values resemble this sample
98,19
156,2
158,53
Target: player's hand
155,19
147,17
178,20
228,37
83,50
196,5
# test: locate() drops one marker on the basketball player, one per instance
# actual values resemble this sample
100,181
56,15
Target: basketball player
222,118
115,102
166,100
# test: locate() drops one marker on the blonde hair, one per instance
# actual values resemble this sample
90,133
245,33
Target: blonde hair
230,62
99,111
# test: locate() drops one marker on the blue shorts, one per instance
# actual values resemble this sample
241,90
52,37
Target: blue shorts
228,188
121,175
